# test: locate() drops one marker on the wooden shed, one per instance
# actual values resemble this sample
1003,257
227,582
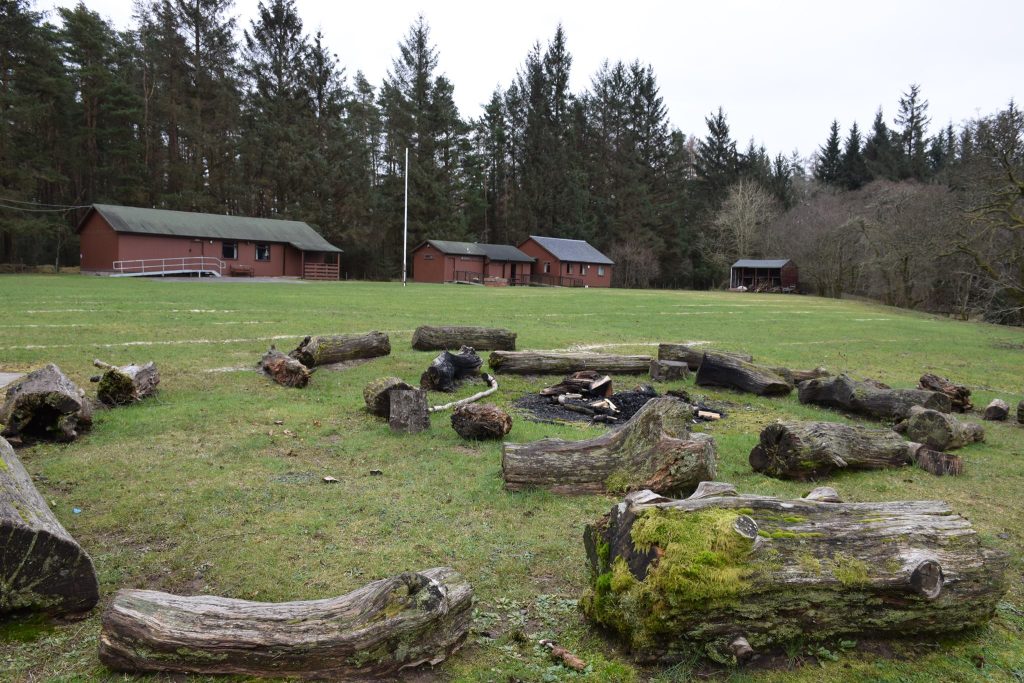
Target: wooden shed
765,275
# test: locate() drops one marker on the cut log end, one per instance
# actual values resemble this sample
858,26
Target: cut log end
377,394
45,406
927,578
997,411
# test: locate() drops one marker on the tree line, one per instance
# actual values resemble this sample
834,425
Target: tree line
189,110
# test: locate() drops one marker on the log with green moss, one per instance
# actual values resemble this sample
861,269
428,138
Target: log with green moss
727,575
941,431
380,631
336,348
442,338
721,370
127,384
42,568
868,398
45,405
377,394
693,355
558,363
653,450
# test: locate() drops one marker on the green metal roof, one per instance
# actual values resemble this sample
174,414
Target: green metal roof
211,226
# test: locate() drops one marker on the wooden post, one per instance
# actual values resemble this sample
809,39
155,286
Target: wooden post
409,411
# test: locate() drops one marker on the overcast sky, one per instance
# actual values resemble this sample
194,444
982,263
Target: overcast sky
782,69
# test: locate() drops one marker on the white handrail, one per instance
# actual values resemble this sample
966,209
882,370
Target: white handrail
177,264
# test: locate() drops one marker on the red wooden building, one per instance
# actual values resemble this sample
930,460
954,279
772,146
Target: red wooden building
765,275
447,261
129,241
568,263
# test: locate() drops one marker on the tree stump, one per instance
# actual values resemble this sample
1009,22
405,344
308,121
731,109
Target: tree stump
552,363
669,370
867,398
335,348
377,394
481,421
430,338
996,411
45,405
409,411
941,431
693,356
683,578
959,396
936,462
448,369
376,632
42,568
720,370
283,369
654,450
127,384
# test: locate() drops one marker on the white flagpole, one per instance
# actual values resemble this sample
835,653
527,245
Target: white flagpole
405,231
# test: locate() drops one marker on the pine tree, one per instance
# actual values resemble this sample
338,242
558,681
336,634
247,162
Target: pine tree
827,166
913,120
880,153
717,162
853,170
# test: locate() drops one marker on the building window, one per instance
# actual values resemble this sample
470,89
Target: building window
428,257
600,271
229,250
568,269
262,252
547,266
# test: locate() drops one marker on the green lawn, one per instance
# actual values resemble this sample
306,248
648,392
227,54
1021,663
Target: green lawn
200,490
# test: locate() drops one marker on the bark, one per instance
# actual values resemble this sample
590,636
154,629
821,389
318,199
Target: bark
42,568
941,431
682,578
481,421
794,377
1020,413
409,412
866,398
551,363
376,632
448,369
126,384
430,338
45,405
810,450
335,348
693,356
936,462
997,411
720,370
283,369
959,396
669,370
377,394
654,450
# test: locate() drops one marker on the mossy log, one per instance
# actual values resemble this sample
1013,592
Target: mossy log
654,450
448,369
693,356
126,384
794,377
376,632
336,348
959,396
679,578
720,370
431,338
377,394
866,398
45,405
42,568
552,363
941,431
283,369
996,411
481,421
669,370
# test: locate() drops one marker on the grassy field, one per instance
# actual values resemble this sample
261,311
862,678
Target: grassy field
201,490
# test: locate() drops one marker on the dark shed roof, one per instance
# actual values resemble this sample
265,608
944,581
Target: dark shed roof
211,226
578,251
494,252
760,263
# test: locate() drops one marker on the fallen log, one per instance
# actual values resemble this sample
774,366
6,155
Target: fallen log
959,396
584,383
809,450
448,369
481,421
377,394
654,450
375,632
669,370
283,369
936,462
794,377
430,338
42,568
996,411
866,398
683,578
693,356
720,370
45,405
492,386
941,431
127,384
1020,413
409,413
552,363
335,348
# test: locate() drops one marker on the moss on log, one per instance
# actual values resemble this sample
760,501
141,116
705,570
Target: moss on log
127,384
720,370
867,398
551,363
941,431
431,338
377,394
336,348
45,405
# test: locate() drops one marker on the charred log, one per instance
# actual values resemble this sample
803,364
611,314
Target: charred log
126,384
377,394
587,383
448,369
941,431
551,363
431,338
719,370
481,421
959,396
45,405
283,369
866,398
336,348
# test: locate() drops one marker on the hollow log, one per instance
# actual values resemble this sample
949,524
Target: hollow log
669,370
409,412
448,369
376,632
377,394
653,449
959,396
866,398
552,363
42,568
997,411
693,356
720,370
809,450
430,338
683,578
126,384
283,369
335,348
941,431
481,421
45,405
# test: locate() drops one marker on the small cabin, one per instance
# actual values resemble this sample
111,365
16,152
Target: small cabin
765,275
